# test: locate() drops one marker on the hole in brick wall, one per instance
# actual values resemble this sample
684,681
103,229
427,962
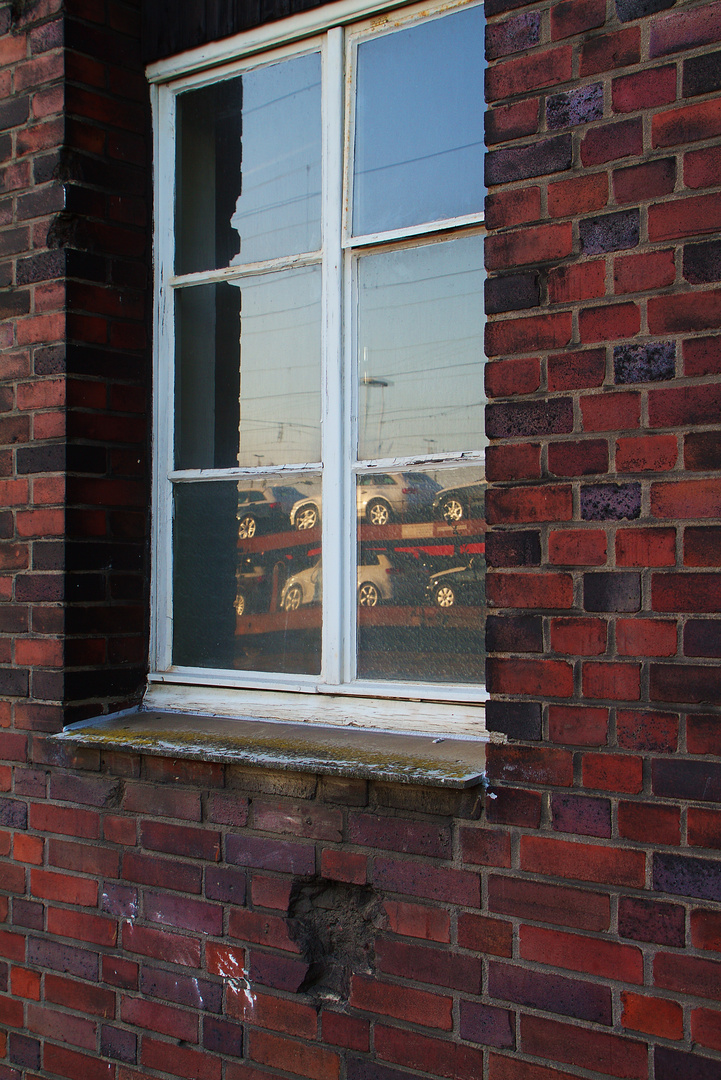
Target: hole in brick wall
335,926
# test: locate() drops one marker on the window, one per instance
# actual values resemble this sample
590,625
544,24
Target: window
319,472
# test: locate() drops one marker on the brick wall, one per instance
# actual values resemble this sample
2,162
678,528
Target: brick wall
178,919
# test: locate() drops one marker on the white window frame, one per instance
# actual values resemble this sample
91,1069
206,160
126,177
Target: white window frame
454,710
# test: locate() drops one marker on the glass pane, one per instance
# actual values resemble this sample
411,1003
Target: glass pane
248,167
419,124
420,350
246,585
421,575
247,388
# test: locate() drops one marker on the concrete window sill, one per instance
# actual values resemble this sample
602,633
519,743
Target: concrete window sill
362,753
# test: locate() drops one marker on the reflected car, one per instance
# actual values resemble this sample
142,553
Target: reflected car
461,502
265,509
459,585
380,499
380,579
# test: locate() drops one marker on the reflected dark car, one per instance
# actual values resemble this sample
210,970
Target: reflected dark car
459,585
254,585
461,502
265,509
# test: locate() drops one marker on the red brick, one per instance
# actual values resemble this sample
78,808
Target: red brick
641,730
579,281
684,312
271,892
639,273
436,1056
151,1016
25,984
488,936
545,677
531,764
508,208
646,637
180,1060
609,142
173,948
582,862
615,682
609,51
530,590
531,72
644,89
577,547
578,458
686,974
685,30
701,168
649,824
557,904
684,217
576,725
612,772
486,847
439,967
571,952
63,887
579,195
703,734
611,412
402,1003
341,1030
572,17
418,920
550,502
688,124
82,926
549,331
516,461
512,121
181,840
310,1062
646,547
540,244
508,377
578,636
83,997
261,929
427,881
513,1068
609,323
690,499
641,453
706,930
273,1013
577,370
610,1054
320,822
706,1028
704,828
64,1062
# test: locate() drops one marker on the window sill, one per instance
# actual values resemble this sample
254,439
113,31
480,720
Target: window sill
263,744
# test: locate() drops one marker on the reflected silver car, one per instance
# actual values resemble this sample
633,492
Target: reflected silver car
380,499
374,584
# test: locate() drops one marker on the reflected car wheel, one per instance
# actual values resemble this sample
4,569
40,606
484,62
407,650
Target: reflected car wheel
247,527
241,604
445,596
452,509
368,595
378,512
293,598
306,517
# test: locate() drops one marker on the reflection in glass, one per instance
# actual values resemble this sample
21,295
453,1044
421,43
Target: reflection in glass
246,588
248,157
420,350
421,578
247,388
419,124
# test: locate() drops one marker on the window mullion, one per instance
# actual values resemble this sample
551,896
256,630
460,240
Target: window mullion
335,452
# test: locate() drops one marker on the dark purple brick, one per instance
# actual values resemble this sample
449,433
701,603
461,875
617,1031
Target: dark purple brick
701,451
181,989
698,781
422,879
683,876
23,1051
66,958
644,363
28,914
14,111
610,502
91,791
429,965
364,1069
184,912
702,637
13,814
516,719
222,1037
510,806
279,972
42,267
554,993
540,158
513,35
14,303
395,834
702,74
619,590
575,106
512,292
517,548
265,854
647,920
223,883
487,1025
702,262
609,232
577,814
528,418
514,633
120,900
14,682
118,1044
679,1065
165,873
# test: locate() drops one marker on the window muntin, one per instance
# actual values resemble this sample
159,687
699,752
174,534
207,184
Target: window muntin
329,510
